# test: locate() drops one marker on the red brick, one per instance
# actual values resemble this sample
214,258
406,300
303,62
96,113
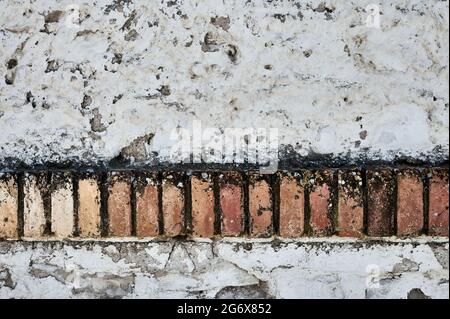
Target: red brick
260,207
320,202
409,203
380,202
438,213
119,206
231,204
8,207
203,214
292,205
173,205
147,207
350,208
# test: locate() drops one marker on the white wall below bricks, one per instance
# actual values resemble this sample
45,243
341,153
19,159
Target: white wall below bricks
234,268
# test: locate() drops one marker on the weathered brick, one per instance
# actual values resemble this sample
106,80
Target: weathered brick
8,207
35,221
119,206
380,202
292,205
351,207
173,205
203,215
320,202
89,218
147,207
231,204
409,203
260,206
62,217
438,203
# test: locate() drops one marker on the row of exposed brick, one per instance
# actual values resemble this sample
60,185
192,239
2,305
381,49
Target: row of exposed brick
377,202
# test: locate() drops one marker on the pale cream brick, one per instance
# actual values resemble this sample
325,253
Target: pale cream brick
33,212
8,207
62,206
89,208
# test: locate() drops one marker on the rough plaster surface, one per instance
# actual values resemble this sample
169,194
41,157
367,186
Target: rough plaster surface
333,268
116,84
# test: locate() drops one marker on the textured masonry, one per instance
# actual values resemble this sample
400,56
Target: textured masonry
34,214
260,206
438,203
8,207
292,205
351,211
410,214
147,206
203,215
374,202
119,206
89,197
173,205
231,204
321,204
380,202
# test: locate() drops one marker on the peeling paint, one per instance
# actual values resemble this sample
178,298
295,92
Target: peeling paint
333,87
228,268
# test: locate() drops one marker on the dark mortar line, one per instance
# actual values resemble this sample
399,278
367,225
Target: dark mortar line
217,207
286,163
159,178
187,228
104,194
20,204
365,199
302,241
274,183
394,202
133,186
426,202
245,193
76,205
47,200
211,168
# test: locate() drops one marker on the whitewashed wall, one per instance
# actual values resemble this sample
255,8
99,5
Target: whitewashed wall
335,268
130,72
